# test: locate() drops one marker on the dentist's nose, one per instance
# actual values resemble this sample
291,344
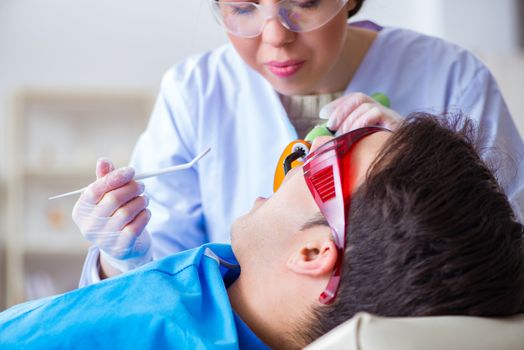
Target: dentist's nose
275,34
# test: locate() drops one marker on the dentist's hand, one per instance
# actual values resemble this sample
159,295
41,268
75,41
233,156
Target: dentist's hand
358,110
112,214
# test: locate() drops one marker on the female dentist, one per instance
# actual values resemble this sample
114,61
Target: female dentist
246,100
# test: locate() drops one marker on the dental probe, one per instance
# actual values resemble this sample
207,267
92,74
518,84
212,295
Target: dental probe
146,175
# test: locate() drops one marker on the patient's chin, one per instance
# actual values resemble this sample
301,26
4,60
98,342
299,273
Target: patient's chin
240,233
235,232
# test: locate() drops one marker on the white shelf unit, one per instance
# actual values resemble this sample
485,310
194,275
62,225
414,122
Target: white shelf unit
54,141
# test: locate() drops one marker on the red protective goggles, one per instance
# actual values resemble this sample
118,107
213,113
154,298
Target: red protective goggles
327,172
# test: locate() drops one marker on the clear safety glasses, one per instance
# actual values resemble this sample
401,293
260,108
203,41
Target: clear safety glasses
328,175
247,19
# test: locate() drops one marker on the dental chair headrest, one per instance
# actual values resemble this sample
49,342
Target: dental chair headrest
368,332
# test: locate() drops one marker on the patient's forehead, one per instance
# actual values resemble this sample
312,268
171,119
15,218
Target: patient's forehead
363,153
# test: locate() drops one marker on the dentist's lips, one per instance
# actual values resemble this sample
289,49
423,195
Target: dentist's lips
284,69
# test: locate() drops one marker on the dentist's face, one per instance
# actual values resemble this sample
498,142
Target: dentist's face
296,63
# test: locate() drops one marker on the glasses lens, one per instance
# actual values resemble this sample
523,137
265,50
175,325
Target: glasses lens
324,179
307,15
246,19
240,18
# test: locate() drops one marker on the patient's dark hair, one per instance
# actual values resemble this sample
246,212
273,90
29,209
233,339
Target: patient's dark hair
430,232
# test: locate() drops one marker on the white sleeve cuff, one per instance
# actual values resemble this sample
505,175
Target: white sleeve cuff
127,264
91,267
90,271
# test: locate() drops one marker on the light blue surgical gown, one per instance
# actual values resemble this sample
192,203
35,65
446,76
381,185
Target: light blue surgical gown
215,99
179,302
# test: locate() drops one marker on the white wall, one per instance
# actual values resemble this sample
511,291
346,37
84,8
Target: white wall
491,27
479,25
96,44
128,44
111,43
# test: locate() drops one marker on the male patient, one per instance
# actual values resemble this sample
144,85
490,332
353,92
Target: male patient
395,224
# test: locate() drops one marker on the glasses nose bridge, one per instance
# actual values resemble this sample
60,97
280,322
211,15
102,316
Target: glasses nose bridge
270,12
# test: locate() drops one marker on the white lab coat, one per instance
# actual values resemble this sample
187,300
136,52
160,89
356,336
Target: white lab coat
215,99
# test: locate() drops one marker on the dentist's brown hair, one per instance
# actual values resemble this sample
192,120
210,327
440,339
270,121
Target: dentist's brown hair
357,6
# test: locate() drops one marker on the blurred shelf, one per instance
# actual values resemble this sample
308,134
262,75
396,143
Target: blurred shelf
87,171
56,247
60,174
3,282
54,142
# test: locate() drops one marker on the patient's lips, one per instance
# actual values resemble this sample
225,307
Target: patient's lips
260,200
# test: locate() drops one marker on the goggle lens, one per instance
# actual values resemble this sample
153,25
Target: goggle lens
247,19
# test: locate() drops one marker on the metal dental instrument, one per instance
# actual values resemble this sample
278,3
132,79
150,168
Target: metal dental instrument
146,175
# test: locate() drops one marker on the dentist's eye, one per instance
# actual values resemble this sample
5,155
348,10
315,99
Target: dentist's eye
308,4
242,10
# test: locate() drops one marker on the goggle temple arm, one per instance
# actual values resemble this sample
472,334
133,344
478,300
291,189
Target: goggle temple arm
323,175
299,153
324,182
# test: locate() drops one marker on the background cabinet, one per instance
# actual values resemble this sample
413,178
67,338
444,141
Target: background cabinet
2,243
54,141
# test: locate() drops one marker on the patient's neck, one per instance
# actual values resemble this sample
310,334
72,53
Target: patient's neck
265,314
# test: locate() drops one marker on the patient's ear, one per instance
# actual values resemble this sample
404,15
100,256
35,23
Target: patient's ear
315,258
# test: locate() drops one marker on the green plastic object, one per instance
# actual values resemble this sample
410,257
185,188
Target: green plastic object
319,130
322,130
382,99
